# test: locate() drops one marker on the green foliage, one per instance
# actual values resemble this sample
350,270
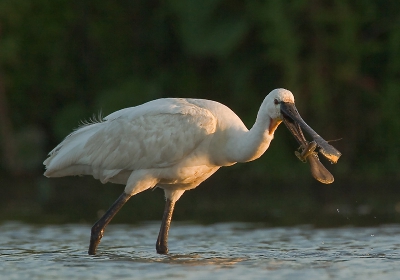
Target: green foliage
208,27
64,61
133,92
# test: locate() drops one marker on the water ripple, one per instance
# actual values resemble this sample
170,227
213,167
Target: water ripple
226,251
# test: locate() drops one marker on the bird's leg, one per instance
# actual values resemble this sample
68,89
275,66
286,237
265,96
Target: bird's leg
98,228
162,240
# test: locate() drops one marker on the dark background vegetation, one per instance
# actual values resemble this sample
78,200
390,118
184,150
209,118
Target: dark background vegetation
63,61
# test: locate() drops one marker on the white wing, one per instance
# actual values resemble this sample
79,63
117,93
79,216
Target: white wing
156,134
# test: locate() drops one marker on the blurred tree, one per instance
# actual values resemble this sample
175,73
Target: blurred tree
8,147
72,59
64,61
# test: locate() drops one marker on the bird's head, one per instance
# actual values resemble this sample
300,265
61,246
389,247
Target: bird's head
272,106
279,106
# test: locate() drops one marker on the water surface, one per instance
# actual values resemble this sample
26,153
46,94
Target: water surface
218,251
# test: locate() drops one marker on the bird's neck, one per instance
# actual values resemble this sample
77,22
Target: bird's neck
250,145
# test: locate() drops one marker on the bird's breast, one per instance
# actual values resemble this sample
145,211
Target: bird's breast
185,178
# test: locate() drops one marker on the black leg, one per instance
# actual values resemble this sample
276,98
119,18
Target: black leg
98,228
162,240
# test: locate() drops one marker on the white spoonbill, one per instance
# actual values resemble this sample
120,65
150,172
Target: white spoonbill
175,144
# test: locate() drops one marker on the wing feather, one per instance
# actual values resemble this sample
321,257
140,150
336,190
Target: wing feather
140,138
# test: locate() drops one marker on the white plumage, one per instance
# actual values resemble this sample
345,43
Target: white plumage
176,141
171,143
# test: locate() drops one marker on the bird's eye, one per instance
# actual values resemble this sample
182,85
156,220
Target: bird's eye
276,102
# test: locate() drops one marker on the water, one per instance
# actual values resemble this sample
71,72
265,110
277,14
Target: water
219,251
